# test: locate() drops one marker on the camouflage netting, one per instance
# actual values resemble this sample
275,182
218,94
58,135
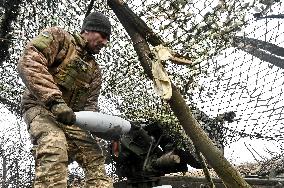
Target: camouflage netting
234,85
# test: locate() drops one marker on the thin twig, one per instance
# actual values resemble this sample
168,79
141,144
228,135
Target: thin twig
5,39
252,153
181,61
205,169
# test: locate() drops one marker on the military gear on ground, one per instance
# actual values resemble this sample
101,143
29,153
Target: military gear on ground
146,151
97,21
63,113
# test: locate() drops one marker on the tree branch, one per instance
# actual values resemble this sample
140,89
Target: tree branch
263,50
244,42
90,7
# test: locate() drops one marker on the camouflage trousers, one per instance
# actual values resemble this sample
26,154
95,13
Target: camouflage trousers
57,145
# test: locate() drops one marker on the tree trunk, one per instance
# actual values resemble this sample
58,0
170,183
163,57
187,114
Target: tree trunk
11,11
223,168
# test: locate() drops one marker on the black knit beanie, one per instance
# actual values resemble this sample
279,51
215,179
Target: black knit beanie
97,21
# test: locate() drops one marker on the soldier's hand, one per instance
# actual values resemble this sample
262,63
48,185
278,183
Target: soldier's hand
63,113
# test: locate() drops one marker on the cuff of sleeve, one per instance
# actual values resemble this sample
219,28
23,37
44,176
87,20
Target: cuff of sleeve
52,102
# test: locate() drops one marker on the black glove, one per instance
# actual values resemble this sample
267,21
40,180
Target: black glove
63,113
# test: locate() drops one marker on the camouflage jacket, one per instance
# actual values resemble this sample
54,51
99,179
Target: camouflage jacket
56,66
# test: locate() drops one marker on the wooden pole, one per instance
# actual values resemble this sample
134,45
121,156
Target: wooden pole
202,142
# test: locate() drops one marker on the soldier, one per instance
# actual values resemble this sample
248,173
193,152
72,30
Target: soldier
62,77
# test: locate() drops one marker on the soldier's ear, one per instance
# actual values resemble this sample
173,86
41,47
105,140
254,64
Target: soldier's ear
84,31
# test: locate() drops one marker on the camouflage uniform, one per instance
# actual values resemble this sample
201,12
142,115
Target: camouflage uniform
56,66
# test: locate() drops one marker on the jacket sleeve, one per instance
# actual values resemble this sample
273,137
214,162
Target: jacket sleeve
34,64
94,92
